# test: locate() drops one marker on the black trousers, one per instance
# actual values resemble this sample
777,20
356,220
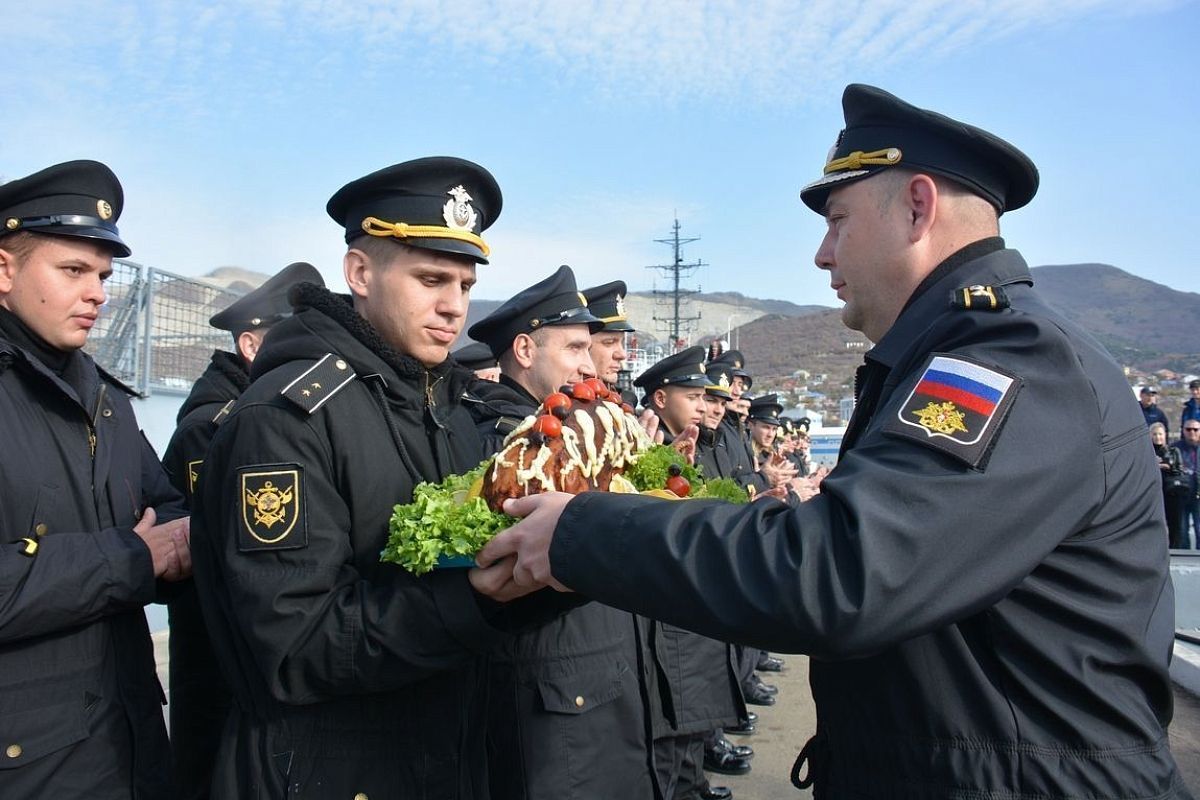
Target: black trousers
680,764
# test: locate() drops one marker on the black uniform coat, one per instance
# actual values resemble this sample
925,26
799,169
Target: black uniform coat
80,704
498,407
726,453
706,690
567,716
737,445
200,697
349,675
997,630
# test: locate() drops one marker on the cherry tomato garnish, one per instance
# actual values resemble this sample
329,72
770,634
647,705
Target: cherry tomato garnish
679,485
549,425
554,400
597,386
583,392
628,409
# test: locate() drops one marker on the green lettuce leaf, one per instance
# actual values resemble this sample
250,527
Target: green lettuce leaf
441,521
650,470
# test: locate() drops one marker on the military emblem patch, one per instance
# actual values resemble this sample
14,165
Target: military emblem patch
272,508
193,475
957,406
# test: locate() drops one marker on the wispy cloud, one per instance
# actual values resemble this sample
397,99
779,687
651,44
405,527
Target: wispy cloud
766,52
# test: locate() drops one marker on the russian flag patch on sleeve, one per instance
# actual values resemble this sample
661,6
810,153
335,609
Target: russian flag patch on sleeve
957,406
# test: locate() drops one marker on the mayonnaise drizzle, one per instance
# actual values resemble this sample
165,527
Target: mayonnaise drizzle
623,439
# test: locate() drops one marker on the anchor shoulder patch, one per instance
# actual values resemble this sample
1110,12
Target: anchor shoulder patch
316,385
193,476
274,515
957,406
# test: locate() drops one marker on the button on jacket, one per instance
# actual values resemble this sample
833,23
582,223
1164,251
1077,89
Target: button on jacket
1000,629
80,704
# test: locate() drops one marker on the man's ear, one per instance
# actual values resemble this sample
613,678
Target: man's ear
921,195
659,399
358,269
8,269
248,343
524,348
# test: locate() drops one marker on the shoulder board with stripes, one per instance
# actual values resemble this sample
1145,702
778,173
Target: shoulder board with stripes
223,414
507,425
979,298
320,382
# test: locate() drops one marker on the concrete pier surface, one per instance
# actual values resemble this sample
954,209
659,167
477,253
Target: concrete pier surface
784,728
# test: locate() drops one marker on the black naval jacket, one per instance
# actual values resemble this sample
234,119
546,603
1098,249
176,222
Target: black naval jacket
712,454
992,629
497,408
200,696
699,680
205,407
349,675
80,703
736,443
567,715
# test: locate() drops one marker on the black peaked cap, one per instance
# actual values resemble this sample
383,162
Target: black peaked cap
552,301
438,203
267,304
475,355
720,377
766,409
736,363
607,302
685,368
884,131
77,198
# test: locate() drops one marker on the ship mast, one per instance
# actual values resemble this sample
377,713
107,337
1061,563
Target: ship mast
674,303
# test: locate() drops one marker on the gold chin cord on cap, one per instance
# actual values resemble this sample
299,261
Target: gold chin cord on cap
858,159
402,230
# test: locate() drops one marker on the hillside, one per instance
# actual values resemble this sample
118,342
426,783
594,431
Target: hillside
1147,327
1141,322
719,312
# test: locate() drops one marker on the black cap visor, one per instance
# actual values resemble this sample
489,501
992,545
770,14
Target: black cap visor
77,225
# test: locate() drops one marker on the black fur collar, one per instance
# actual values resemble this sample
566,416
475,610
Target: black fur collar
232,367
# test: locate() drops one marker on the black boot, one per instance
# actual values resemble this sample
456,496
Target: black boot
710,792
769,664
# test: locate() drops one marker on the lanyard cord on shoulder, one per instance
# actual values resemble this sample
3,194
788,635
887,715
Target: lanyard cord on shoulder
393,428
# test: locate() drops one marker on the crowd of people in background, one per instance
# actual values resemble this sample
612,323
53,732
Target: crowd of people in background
1179,464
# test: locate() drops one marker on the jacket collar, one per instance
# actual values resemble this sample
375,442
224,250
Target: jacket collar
233,368
505,398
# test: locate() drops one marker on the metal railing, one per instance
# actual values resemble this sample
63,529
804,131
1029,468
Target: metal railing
153,332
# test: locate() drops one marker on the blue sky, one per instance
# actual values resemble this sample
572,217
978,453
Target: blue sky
230,124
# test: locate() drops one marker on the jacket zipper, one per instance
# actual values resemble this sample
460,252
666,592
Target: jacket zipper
91,421
430,403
